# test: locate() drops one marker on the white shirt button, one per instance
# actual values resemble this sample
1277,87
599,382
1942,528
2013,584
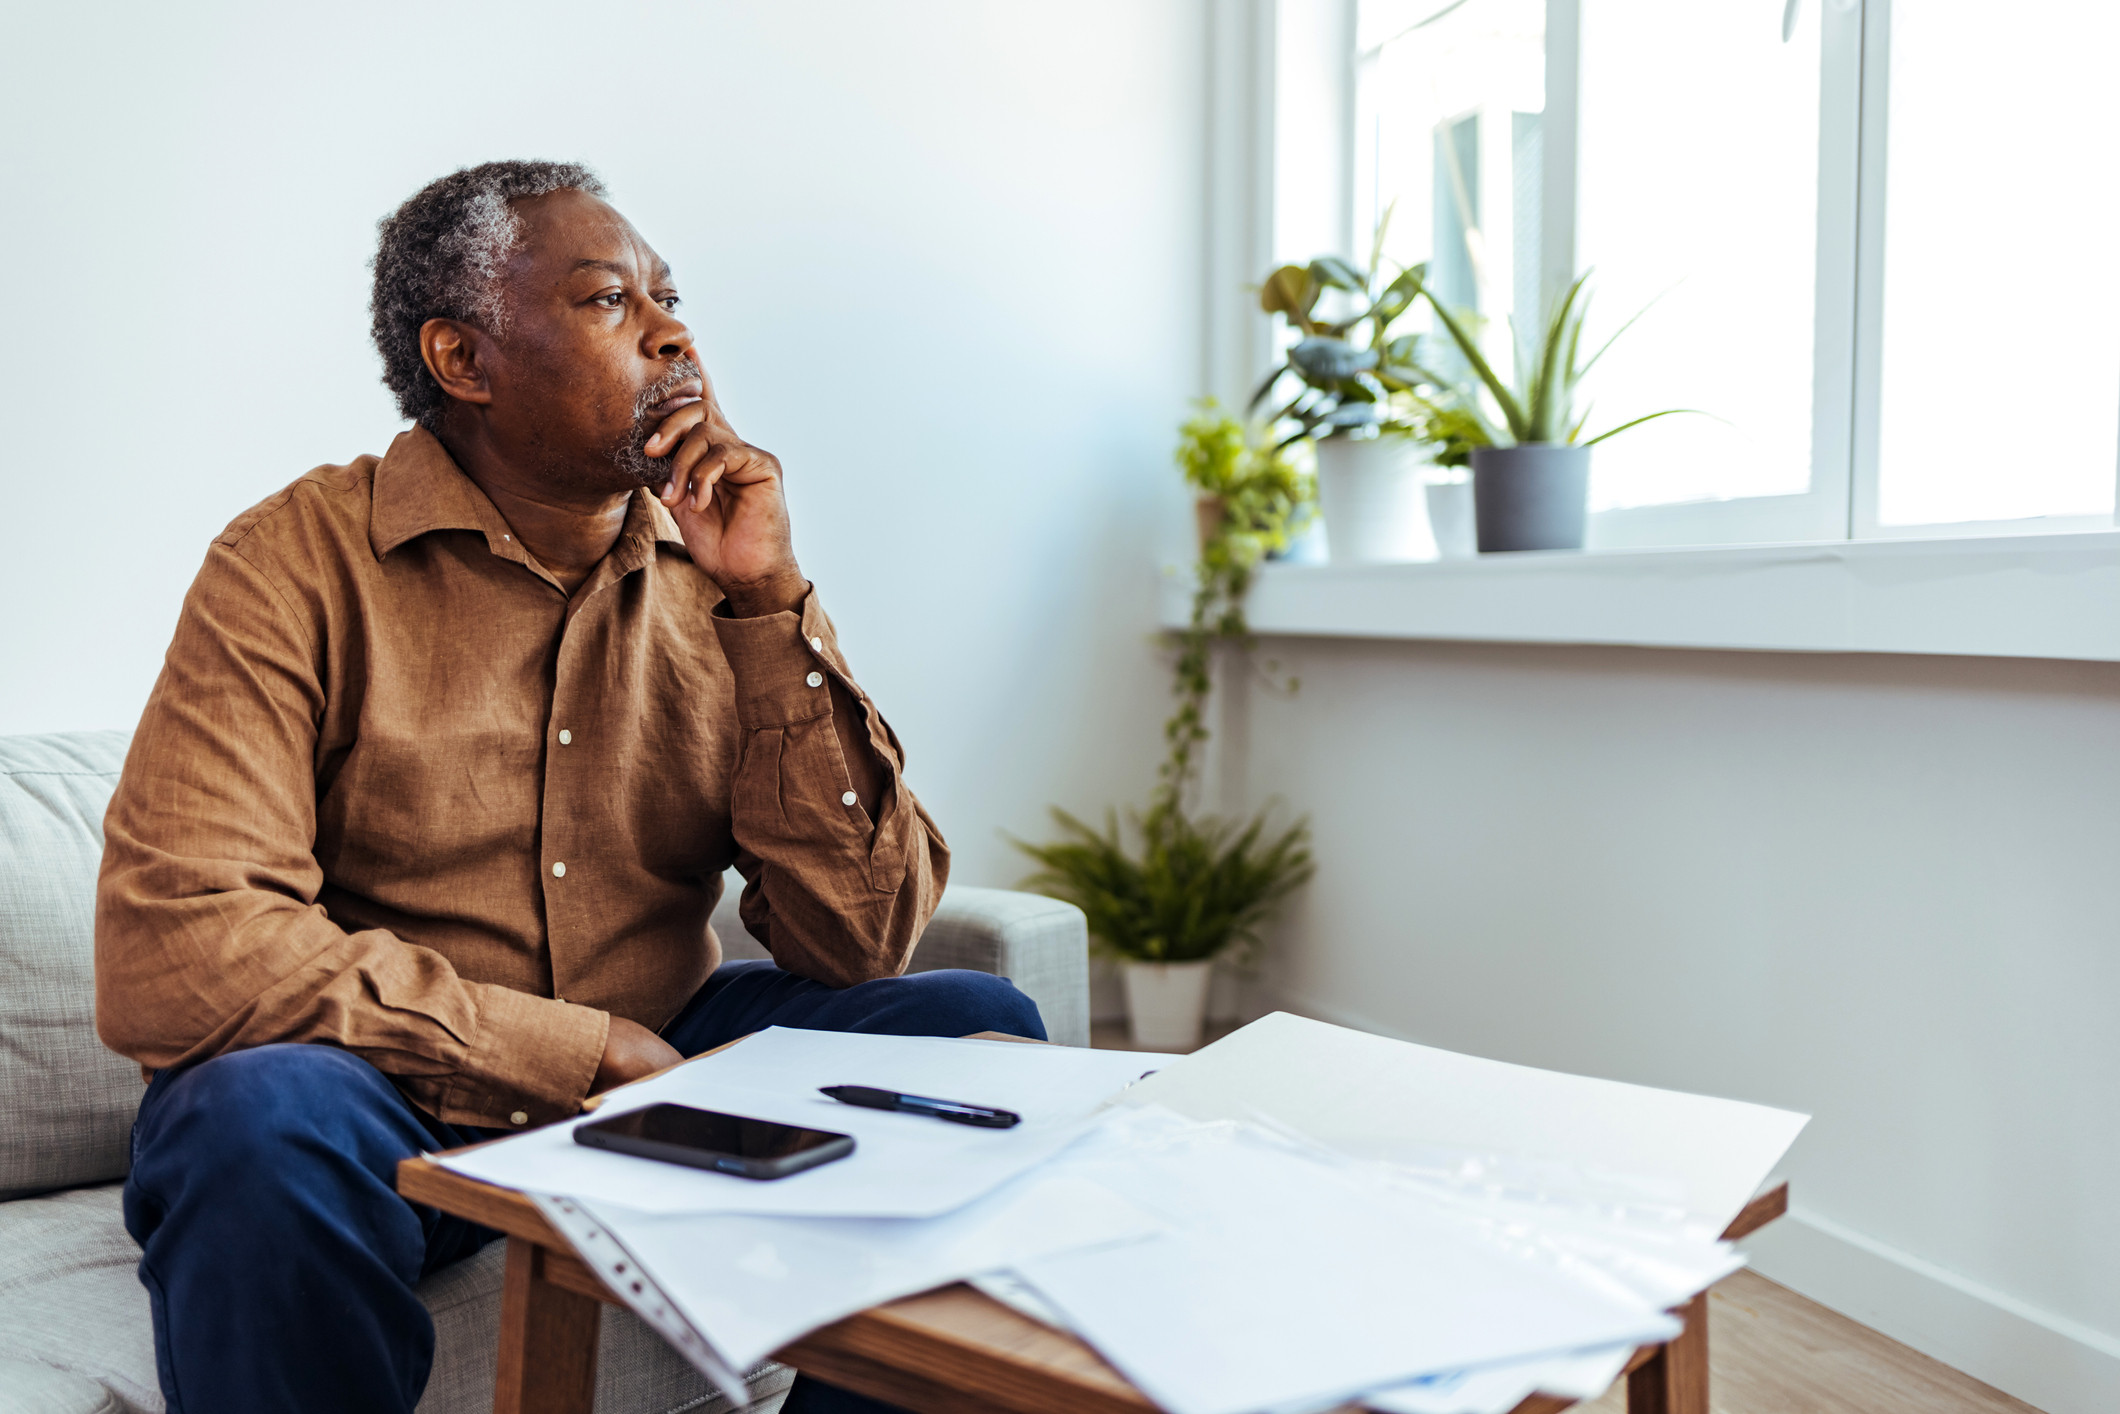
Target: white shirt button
559,868
566,737
518,1118
815,679
818,644
849,798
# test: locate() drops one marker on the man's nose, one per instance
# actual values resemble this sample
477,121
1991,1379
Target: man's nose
666,337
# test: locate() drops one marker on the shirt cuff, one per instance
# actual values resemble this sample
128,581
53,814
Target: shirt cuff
531,1062
782,663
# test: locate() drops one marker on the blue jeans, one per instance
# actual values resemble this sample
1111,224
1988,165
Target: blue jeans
277,1256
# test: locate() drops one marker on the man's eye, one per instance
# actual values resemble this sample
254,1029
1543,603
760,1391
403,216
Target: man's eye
670,302
612,300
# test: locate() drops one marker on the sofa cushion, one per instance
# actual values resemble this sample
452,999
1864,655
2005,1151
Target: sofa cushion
70,1297
66,1102
27,1387
71,1303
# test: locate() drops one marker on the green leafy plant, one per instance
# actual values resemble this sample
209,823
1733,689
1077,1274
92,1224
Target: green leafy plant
1350,374
1195,885
1192,889
1542,405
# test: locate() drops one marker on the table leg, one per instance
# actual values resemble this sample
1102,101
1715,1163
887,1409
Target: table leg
548,1341
1675,1379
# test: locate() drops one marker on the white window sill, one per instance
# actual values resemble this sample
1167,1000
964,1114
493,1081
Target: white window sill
2053,596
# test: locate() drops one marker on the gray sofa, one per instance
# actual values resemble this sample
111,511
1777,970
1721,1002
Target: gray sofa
74,1333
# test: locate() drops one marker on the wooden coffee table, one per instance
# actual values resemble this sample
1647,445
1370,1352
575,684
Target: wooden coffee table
949,1351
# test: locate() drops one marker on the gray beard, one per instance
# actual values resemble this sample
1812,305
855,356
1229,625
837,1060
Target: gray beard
630,456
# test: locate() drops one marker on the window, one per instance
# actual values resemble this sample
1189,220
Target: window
1923,345
1697,211
1999,388
1450,110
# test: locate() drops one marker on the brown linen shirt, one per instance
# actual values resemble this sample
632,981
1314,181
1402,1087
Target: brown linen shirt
396,791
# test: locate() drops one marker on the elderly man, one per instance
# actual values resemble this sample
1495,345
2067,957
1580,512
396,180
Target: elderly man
420,832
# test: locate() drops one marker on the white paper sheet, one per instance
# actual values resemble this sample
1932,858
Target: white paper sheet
1600,1232
636,1285
1497,1389
1494,1391
1372,1097
749,1284
903,1165
1583,1375
1291,1278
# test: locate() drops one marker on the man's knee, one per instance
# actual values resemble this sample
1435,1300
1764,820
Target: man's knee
959,1002
254,1106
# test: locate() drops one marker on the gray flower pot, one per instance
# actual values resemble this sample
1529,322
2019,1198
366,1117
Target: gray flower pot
1531,497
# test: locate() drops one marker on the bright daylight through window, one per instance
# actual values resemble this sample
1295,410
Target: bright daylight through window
1864,245
2001,320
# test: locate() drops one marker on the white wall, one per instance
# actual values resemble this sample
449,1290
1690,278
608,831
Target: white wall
944,257
1877,889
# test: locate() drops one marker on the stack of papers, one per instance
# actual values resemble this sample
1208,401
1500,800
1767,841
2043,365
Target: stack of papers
730,1269
1371,1097
1289,1277
1623,1188
1294,1217
904,1166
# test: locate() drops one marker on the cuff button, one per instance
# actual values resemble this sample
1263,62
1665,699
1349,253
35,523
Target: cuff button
519,1118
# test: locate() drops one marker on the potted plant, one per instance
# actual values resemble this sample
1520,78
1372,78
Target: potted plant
1169,908
1186,889
1355,396
1531,479
1454,433
1248,498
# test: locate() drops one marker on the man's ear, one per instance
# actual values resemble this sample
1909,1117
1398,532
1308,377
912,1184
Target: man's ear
452,352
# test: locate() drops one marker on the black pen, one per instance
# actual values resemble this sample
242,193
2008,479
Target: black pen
870,1098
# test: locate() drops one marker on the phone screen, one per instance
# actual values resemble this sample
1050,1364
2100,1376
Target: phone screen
712,1132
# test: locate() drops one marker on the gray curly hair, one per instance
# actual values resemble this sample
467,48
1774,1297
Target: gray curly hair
440,256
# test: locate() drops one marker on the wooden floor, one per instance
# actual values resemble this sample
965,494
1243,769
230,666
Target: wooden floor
1771,1351
1774,1352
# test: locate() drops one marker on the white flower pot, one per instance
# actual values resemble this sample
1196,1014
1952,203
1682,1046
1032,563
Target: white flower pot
1371,495
1450,519
1166,1002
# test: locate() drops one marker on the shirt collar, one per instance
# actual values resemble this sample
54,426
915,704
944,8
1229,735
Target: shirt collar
419,487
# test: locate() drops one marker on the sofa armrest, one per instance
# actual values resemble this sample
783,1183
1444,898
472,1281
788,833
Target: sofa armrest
1040,944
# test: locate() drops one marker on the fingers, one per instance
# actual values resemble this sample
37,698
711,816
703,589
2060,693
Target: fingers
709,457
674,428
696,465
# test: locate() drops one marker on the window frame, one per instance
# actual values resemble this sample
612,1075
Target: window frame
1841,503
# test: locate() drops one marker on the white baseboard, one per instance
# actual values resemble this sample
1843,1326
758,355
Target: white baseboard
2051,1362
2059,1365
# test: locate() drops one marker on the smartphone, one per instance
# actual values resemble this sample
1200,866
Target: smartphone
708,1139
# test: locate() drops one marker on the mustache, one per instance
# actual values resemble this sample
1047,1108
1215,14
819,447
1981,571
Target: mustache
684,371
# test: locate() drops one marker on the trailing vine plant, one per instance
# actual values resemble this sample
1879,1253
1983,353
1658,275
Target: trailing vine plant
1199,884
1252,498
